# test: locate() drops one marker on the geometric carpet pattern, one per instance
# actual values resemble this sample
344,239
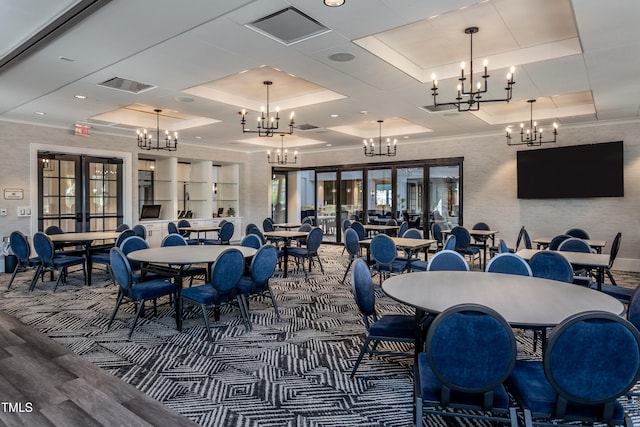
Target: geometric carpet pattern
288,372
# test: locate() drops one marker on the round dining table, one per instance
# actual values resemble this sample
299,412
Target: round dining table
525,302
172,260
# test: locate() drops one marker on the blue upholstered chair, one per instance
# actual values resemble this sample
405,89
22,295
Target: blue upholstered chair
103,256
509,263
267,225
581,274
22,250
352,246
251,241
384,255
447,260
172,228
306,228
577,233
138,293
186,234
52,261
307,220
123,227
633,308
555,242
470,352
436,233
522,235
140,230
308,252
359,228
224,235
591,359
620,292
221,289
256,283
551,265
413,257
132,244
480,240
391,327
188,270
463,243
450,243
253,229
404,226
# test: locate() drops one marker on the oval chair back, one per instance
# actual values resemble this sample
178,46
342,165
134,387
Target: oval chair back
256,232
450,244
359,228
123,227
263,264
463,238
184,223
267,225
404,226
502,247
615,247
363,291
447,260
249,227
20,247
140,230
171,227
132,244
251,241
44,248
346,224
509,263
633,309
120,269
53,229
574,244
526,238
314,239
555,242
578,233
173,240
481,226
454,340
307,220
383,249
227,270
226,232
551,265
123,236
412,233
351,243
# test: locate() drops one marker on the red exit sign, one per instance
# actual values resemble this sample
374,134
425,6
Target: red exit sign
82,130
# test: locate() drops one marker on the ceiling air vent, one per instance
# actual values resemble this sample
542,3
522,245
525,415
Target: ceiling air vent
439,109
127,85
288,26
306,126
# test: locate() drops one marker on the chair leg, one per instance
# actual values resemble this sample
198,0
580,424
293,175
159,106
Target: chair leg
244,311
610,276
273,301
60,277
206,321
34,279
363,350
140,309
13,275
346,271
115,310
320,262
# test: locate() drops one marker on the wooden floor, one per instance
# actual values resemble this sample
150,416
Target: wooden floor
42,383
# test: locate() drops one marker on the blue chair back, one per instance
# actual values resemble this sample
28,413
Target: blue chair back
551,265
44,248
555,242
184,223
351,242
447,260
471,348
227,270
305,227
267,225
481,226
615,247
171,227
20,246
509,263
251,241
633,309
359,228
412,233
346,224
463,238
123,227
314,239
140,230
307,220
123,236
436,231
502,247
120,268
256,232
363,291
391,222
173,240
575,244
450,244
263,264
383,249
132,244
578,233
526,238
592,358
53,229
226,231
404,226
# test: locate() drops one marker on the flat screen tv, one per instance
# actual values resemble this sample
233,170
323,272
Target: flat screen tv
579,171
150,211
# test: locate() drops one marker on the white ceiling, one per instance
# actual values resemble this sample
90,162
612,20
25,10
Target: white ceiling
578,58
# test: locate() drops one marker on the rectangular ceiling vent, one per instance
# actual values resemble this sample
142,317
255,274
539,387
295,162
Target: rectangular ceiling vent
440,109
306,126
127,85
288,26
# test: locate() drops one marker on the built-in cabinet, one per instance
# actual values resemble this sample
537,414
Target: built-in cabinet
157,230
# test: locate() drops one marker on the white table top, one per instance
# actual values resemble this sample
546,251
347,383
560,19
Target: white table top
85,236
287,225
403,242
180,255
380,227
198,228
478,233
575,258
591,242
523,301
287,234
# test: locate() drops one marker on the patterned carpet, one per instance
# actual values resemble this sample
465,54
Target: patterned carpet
292,372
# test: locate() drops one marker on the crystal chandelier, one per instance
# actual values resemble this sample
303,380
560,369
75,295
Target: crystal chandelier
533,135
370,150
267,123
470,95
281,155
145,140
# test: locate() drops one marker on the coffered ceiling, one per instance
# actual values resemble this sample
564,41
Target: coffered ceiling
340,69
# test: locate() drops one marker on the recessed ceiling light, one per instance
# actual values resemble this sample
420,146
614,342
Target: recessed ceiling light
342,57
405,137
198,137
79,96
329,145
334,3
66,58
184,99
335,116
39,113
363,112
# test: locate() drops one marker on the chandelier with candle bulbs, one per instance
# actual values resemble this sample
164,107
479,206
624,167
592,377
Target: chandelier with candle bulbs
145,140
281,156
470,95
268,123
533,135
370,148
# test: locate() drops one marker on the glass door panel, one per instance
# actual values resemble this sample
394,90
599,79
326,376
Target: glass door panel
327,202
57,188
306,194
351,200
444,193
380,197
410,196
279,197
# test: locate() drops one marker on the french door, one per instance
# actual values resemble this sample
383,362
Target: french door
79,193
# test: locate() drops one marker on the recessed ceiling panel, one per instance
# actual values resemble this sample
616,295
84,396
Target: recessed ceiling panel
143,116
391,127
288,26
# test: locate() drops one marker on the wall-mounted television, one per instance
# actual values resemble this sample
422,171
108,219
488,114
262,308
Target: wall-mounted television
150,211
578,171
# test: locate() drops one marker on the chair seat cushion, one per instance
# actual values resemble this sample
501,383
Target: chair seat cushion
100,258
394,325
395,267
431,390
246,286
67,261
418,265
152,289
531,387
300,252
205,294
617,292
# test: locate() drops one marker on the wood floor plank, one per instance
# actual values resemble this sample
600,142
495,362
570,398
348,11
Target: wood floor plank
68,414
